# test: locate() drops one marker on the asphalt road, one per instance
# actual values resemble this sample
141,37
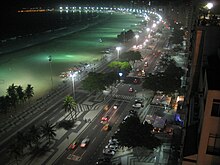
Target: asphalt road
98,137
51,110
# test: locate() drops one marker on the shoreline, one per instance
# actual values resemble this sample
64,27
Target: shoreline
72,48
40,38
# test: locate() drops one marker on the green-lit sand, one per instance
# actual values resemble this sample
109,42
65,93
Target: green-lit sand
31,65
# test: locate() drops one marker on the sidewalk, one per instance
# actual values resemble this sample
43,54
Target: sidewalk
57,150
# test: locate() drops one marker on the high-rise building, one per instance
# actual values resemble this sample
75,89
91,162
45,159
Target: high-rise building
201,140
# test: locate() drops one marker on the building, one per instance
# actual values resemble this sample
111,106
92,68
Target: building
201,132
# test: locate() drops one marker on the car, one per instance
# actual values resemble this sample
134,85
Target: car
113,147
115,106
113,141
136,81
107,151
103,160
106,107
130,89
125,118
132,112
104,119
145,64
139,100
73,145
106,127
84,142
137,105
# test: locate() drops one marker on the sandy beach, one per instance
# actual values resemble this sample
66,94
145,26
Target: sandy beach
30,65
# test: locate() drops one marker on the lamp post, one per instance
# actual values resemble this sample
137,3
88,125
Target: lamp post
209,6
118,51
136,37
124,35
73,83
51,72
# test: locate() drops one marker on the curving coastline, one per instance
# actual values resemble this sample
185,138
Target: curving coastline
17,43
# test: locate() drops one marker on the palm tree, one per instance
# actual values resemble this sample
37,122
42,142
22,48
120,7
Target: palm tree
29,92
48,131
69,105
12,93
5,103
20,93
33,136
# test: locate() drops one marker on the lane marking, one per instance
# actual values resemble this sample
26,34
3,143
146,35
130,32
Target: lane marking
83,153
93,140
94,126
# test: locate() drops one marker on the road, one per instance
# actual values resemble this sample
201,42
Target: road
50,109
98,137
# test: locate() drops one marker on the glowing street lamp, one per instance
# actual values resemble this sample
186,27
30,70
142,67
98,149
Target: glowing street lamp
118,51
73,75
124,35
51,73
136,37
209,5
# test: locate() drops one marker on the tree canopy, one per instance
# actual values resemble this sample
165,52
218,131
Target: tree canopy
120,66
133,133
167,81
99,81
125,36
131,56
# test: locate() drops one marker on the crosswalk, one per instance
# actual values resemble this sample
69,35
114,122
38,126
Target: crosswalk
123,97
83,107
130,159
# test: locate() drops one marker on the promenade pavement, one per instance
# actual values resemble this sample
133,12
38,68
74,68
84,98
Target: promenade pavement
63,139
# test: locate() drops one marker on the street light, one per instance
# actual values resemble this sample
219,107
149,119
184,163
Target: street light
118,51
209,5
124,35
73,75
136,37
51,73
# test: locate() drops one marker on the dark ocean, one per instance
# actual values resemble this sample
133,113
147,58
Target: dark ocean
18,25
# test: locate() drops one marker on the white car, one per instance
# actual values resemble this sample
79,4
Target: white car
108,151
113,141
84,143
115,106
137,105
113,147
139,100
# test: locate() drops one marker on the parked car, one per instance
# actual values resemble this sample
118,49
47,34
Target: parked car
132,112
107,151
113,141
138,100
84,142
113,147
125,118
137,105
